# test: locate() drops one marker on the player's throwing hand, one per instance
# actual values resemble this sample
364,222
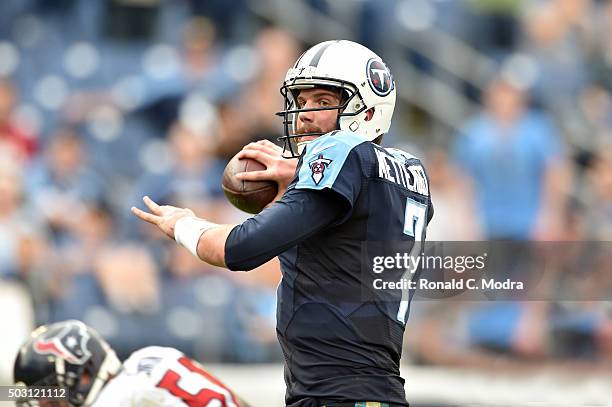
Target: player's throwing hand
164,216
279,169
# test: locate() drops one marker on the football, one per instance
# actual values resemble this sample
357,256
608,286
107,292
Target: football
248,196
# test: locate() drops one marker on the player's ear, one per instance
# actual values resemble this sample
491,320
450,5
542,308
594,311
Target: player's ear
369,114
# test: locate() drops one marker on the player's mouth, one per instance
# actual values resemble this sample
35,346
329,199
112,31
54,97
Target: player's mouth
305,130
306,139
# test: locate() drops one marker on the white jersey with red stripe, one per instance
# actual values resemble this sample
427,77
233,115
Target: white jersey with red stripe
157,376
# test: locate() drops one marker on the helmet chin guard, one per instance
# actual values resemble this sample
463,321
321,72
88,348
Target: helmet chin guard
359,74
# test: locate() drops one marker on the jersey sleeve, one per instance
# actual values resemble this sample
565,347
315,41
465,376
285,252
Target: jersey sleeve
333,162
296,216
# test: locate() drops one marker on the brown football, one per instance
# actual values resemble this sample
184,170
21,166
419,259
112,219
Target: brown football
248,196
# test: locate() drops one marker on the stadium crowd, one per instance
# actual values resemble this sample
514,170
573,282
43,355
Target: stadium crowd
102,102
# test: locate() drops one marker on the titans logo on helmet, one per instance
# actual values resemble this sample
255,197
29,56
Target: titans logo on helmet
379,77
69,343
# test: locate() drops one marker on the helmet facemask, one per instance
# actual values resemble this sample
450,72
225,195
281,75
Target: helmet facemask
351,104
83,382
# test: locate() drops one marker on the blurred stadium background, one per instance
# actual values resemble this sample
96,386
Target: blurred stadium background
508,102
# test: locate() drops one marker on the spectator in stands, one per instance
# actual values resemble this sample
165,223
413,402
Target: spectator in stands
197,66
128,277
23,251
601,54
513,157
598,211
200,50
455,212
513,335
62,182
22,235
494,27
14,135
193,175
596,109
257,103
554,42
87,236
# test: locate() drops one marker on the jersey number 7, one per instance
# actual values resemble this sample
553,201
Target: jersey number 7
414,226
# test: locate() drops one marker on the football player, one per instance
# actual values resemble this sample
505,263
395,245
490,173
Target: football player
72,355
343,201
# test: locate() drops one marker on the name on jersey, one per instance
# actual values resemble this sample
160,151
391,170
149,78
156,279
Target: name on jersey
411,177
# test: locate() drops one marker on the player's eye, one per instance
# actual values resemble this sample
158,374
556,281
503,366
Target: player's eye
301,103
324,103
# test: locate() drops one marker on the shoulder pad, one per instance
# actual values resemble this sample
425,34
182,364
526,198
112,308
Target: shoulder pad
158,351
146,359
324,158
402,168
396,152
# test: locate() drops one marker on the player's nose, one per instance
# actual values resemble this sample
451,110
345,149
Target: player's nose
307,117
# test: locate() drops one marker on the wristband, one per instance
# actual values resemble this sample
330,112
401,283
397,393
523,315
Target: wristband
187,232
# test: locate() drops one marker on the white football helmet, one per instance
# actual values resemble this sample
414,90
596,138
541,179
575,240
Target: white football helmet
362,76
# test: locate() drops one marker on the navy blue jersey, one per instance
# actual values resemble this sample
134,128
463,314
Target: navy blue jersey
351,201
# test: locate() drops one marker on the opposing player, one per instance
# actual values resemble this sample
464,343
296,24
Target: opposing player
348,200
70,354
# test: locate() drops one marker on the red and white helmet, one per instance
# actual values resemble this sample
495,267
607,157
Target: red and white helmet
361,75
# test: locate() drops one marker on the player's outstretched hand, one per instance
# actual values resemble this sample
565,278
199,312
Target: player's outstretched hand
164,216
278,169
